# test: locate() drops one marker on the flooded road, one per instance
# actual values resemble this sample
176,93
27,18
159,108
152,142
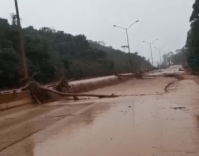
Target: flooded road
127,127
153,124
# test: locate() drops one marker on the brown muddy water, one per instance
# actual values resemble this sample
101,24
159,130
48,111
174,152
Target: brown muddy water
126,127
154,124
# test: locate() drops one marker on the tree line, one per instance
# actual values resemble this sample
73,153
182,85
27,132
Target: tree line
52,54
188,56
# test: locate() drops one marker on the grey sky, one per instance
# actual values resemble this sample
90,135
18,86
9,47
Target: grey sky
167,20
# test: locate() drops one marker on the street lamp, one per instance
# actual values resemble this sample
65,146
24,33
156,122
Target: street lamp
126,29
124,46
160,52
150,43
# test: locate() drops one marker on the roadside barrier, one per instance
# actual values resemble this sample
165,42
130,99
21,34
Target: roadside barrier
12,99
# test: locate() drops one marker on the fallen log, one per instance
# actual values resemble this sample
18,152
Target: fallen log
38,94
64,86
41,95
79,94
135,75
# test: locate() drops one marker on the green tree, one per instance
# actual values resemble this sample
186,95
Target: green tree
51,53
192,43
9,67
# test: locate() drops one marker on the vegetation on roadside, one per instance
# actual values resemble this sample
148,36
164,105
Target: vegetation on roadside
179,57
52,54
188,56
192,44
122,61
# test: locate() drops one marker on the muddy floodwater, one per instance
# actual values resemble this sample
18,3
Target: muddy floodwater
126,127
154,123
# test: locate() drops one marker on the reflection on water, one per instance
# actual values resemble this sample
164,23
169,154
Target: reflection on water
87,118
107,129
69,128
92,131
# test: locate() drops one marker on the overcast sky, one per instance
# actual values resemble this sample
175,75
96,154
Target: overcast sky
167,20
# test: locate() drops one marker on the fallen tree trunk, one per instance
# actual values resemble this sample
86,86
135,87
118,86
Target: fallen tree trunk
64,86
78,94
41,95
38,94
135,75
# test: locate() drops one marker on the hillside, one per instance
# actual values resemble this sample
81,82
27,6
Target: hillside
52,54
121,59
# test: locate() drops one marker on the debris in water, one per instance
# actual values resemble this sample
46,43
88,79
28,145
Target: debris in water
180,108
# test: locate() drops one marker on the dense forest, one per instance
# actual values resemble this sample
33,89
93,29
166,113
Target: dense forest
52,54
188,56
121,59
177,57
192,44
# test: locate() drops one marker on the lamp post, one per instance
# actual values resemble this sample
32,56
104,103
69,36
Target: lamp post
126,29
159,53
150,43
124,46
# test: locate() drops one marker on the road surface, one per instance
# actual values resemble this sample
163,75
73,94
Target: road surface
153,117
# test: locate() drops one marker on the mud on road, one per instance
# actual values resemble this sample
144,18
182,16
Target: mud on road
156,123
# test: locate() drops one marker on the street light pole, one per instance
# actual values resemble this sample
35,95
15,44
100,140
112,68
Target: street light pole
126,29
150,43
159,53
124,46
151,54
21,47
129,51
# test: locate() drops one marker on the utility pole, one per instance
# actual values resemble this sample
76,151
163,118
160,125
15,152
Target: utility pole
21,46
